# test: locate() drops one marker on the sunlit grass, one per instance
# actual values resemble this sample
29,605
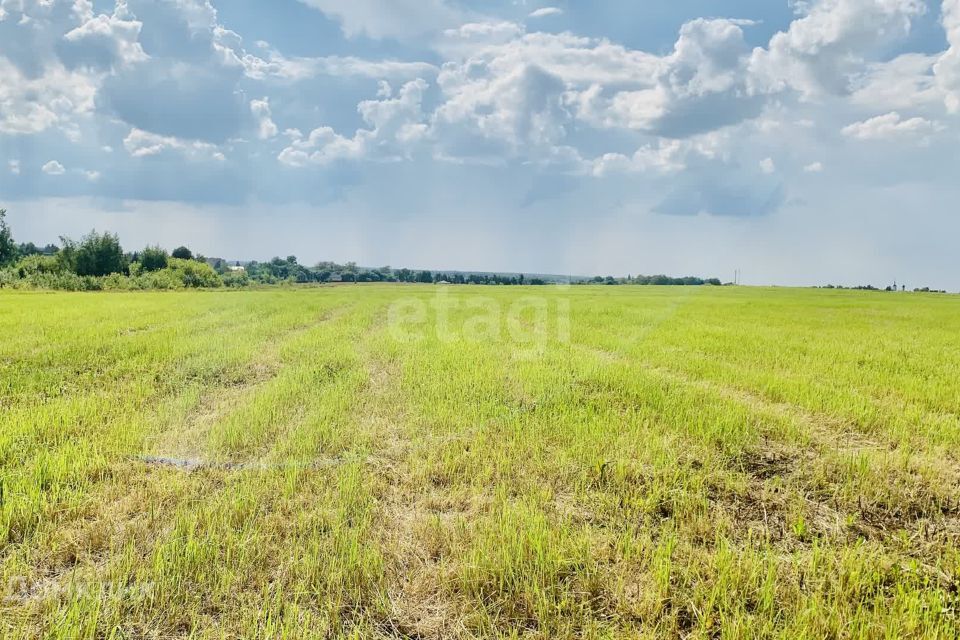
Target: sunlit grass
657,462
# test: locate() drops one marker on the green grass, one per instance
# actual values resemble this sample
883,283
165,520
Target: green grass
649,462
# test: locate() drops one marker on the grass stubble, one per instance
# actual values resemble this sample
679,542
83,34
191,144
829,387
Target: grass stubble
735,463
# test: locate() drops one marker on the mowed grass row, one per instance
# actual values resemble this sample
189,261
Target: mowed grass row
433,462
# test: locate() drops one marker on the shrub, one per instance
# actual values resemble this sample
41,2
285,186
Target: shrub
118,282
195,274
63,281
8,278
166,279
34,264
236,279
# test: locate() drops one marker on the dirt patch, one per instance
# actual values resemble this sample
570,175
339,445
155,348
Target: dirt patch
771,460
191,465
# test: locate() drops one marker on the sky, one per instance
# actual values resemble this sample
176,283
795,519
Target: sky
799,142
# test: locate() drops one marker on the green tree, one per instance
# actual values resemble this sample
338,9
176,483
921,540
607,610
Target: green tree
182,253
28,249
67,255
8,249
153,259
100,255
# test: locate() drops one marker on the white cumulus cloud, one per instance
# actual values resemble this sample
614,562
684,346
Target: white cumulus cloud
821,50
701,86
53,168
947,68
261,111
395,127
105,40
890,126
142,144
545,12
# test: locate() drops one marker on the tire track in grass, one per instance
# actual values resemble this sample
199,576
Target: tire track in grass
81,458
914,528
304,528
932,522
382,413
124,500
188,447
829,431
436,523
407,512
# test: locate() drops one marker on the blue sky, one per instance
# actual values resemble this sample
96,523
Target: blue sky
801,142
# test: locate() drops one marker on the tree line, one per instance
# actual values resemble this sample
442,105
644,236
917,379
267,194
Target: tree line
98,261
289,269
661,280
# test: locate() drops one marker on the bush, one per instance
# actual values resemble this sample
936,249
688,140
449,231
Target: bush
117,282
63,281
165,279
8,279
236,279
35,264
195,274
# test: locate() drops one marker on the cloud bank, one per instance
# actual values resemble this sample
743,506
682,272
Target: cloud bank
160,100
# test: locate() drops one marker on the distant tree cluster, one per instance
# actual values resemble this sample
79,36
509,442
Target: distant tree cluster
660,280
97,261
889,288
859,287
289,270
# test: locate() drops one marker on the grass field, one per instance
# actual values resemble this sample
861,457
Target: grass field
424,462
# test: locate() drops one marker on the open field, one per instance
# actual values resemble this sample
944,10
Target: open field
430,462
